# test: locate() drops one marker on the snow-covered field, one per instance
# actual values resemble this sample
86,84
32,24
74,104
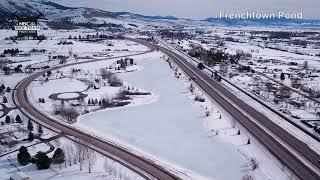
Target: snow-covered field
168,125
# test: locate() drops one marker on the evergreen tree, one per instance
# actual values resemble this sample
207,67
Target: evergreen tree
8,89
8,119
40,131
30,125
18,119
282,77
5,100
2,87
30,136
58,156
42,160
23,156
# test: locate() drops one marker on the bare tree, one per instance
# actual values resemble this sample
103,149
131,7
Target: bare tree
306,66
79,155
105,74
69,151
90,159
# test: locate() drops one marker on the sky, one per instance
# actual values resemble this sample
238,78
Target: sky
201,9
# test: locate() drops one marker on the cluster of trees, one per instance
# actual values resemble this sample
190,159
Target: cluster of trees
11,51
67,112
41,159
77,153
213,57
65,43
7,70
124,62
37,50
41,100
174,34
116,101
2,88
113,80
94,102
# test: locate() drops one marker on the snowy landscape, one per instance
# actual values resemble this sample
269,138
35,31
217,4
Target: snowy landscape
109,95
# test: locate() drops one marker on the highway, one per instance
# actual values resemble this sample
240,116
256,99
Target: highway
293,153
145,167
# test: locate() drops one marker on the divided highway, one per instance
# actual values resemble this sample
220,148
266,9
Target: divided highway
293,153
142,166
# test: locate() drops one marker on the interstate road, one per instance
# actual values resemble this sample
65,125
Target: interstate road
293,153
143,166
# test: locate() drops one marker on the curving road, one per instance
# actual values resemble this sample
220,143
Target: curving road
293,153
142,166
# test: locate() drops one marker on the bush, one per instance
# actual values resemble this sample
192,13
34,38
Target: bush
199,98
23,156
105,74
42,160
115,81
58,156
201,66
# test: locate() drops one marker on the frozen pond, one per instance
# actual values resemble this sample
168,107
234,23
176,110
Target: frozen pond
170,128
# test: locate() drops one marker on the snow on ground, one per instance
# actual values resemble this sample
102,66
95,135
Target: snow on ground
103,168
170,128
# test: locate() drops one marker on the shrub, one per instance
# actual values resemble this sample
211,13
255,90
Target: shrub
199,98
106,74
115,81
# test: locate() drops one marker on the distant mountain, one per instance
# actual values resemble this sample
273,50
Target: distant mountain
139,16
60,16
264,22
9,9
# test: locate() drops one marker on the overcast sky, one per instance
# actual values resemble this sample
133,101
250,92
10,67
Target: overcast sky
200,9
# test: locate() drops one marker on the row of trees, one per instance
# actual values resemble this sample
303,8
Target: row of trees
17,119
41,159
